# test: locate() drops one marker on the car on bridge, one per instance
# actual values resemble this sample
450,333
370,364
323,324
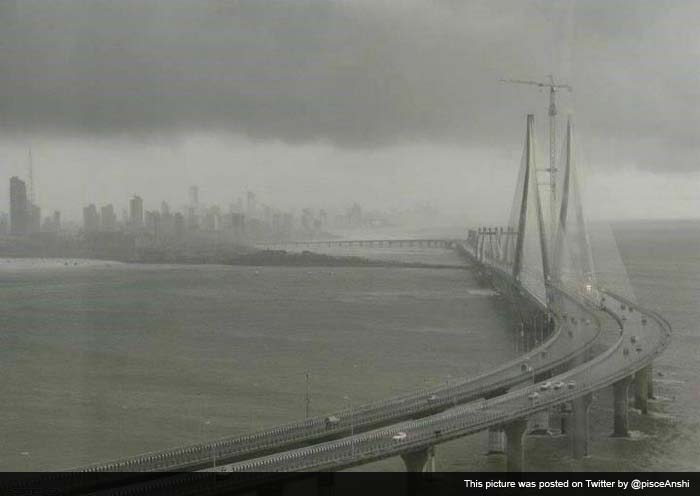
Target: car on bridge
331,421
558,385
533,396
399,436
545,386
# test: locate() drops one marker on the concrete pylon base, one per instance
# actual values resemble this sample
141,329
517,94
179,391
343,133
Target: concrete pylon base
497,441
641,390
580,430
538,424
415,461
621,407
515,431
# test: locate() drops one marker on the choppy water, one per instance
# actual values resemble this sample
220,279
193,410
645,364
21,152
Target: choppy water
104,360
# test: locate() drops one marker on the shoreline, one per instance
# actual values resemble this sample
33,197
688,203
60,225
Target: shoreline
262,258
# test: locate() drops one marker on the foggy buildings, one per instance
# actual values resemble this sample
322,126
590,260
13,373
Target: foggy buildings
250,204
212,219
307,220
179,225
52,224
152,222
91,220
19,207
136,212
355,216
194,196
34,218
237,224
108,219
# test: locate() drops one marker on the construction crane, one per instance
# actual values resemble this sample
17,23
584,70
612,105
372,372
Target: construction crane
553,88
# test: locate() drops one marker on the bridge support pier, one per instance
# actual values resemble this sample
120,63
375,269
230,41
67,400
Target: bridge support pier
539,424
620,407
579,433
497,441
515,453
641,382
565,418
415,461
650,382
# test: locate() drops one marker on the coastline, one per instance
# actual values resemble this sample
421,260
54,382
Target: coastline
261,258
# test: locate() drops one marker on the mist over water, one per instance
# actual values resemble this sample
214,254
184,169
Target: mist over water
109,360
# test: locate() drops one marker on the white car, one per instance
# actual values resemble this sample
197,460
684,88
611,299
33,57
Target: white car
533,396
332,420
558,385
545,386
399,436
571,385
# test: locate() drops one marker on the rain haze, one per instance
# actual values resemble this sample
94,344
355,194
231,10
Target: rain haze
318,103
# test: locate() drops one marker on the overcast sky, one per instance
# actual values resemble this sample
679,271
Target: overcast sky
323,102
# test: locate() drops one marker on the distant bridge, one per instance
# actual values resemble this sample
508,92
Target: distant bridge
367,243
549,273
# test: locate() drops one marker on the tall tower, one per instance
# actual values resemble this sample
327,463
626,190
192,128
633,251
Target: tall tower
552,169
30,175
136,212
19,207
194,196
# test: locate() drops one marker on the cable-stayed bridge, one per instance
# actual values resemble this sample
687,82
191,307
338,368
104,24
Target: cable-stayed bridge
546,267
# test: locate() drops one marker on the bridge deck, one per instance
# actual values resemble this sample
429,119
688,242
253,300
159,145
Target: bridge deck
602,371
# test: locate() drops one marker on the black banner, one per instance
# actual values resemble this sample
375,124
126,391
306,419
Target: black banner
348,483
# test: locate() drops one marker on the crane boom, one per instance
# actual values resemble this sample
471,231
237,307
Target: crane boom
538,83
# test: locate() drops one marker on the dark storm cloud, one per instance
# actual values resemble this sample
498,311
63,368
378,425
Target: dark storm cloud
353,73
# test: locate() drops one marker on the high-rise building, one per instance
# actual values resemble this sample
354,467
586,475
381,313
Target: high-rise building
355,218
238,224
192,219
57,220
4,224
307,219
194,196
35,218
152,220
19,207
136,212
108,218
91,220
211,220
179,225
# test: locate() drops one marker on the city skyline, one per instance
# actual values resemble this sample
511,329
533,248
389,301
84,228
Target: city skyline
308,110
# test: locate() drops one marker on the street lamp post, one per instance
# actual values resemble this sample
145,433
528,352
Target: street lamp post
352,425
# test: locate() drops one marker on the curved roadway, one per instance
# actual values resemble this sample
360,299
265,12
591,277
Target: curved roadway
651,335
